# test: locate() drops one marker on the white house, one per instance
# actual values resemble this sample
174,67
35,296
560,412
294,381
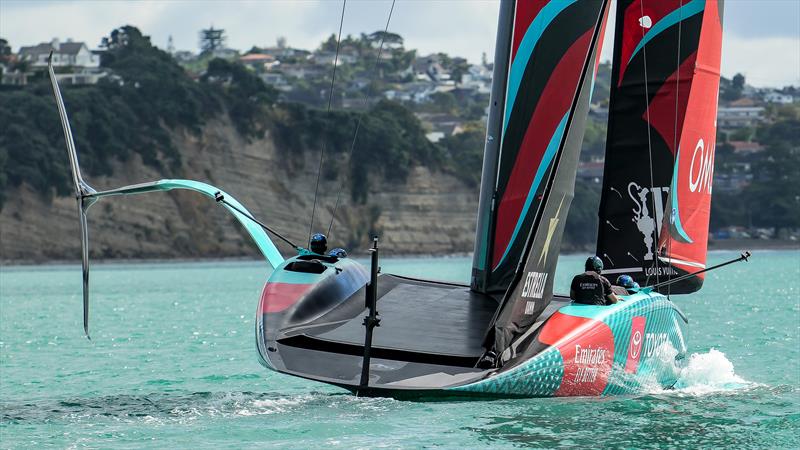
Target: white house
739,116
778,97
66,54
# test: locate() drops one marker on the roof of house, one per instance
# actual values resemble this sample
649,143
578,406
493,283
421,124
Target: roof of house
746,147
256,57
67,48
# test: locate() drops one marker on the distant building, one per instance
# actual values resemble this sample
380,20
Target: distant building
276,80
66,54
84,63
428,68
327,58
417,92
281,53
739,116
303,70
477,79
778,97
745,147
184,56
12,77
258,61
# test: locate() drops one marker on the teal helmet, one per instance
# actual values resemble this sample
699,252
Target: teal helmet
625,281
338,252
593,264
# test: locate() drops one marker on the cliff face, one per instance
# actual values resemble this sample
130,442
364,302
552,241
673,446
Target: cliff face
430,212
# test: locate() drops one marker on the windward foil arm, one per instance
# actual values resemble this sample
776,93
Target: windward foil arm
86,196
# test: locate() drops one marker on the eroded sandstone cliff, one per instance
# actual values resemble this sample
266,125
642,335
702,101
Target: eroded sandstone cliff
429,212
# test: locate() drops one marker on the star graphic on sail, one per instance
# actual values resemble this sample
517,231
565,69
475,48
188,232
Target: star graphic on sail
551,229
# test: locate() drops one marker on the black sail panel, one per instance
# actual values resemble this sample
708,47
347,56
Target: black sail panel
531,288
657,53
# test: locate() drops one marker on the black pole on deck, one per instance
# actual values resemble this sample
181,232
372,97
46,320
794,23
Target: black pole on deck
371,320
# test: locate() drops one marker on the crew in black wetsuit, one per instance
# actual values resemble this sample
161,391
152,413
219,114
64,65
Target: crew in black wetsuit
591,288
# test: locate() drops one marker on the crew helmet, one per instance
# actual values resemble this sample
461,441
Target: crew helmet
319,243
625,281
593,264
338,252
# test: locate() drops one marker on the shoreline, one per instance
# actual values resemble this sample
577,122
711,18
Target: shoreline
713,246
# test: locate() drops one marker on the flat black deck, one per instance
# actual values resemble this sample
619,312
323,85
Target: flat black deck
421,321
425,319
431,336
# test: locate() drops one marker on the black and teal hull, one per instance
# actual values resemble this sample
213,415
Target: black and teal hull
310,324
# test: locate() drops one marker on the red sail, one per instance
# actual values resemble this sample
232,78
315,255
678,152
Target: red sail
685,237
654,224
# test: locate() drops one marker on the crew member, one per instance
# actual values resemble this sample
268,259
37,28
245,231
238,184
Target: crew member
318,244
626,284
338,252
591,288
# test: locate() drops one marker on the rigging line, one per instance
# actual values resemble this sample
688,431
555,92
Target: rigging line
650,150
360,118
675,128
328,115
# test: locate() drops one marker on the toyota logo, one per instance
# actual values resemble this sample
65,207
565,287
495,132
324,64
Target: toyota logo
636,344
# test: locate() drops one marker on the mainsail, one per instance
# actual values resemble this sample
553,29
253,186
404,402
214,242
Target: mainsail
552,137
541,59
655,205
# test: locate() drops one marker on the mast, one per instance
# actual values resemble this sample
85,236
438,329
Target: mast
491,151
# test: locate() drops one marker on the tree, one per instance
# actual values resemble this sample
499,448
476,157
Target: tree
330,44
5,50
738,82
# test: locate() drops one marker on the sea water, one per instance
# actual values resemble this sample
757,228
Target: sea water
172,364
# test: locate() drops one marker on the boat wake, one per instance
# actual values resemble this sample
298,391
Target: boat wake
704,373
709,372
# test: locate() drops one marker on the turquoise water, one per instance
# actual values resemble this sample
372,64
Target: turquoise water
172,363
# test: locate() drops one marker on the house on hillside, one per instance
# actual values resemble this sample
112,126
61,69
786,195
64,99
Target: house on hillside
276,80
739,116
778,97
477,78
303,70
66,54
258,61
77,64
417,92
745,147
327,58
428,68
282,53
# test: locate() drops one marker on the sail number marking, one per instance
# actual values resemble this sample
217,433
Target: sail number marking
701,178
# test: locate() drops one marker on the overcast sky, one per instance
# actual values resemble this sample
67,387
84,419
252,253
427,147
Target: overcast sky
762,37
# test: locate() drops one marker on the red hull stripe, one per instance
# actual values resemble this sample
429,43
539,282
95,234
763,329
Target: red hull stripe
277,297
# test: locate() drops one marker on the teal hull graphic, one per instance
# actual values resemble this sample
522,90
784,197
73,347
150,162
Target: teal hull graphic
630,347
